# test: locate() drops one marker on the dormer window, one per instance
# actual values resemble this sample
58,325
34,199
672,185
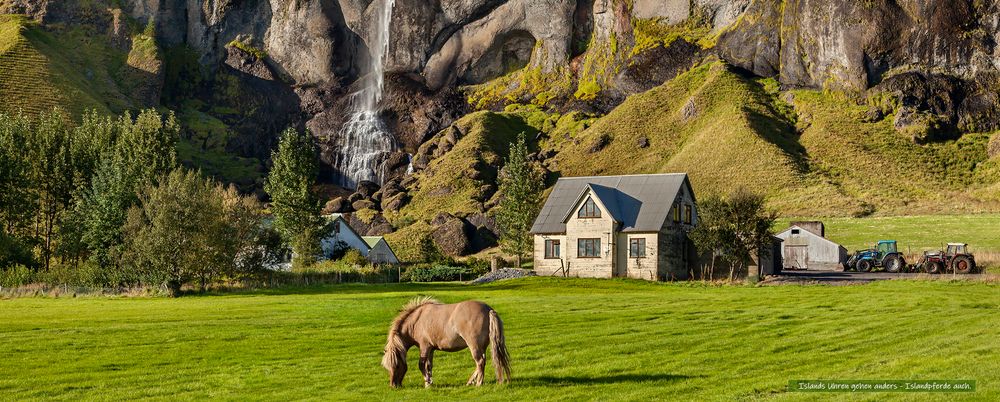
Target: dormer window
589,210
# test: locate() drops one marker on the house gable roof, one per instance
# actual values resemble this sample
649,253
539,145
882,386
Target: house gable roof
603,196
641,203
328,226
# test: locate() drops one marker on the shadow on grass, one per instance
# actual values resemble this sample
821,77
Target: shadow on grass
591,380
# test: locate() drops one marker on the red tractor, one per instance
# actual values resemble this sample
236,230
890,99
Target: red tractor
955,259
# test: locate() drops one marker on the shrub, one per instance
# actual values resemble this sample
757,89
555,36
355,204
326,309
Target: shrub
436,273
15,275
354,258
477,266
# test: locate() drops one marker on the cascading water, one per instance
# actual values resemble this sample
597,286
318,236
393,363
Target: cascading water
364,142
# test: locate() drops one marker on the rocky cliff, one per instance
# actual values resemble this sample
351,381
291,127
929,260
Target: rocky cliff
237,71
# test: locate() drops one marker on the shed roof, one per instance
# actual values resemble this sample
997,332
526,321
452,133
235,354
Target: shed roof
641,203
805,232
371,240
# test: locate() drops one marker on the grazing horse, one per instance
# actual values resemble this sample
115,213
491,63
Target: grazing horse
431,325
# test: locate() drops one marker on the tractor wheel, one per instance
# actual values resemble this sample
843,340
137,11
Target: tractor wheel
893,263
963,265
864,266
933,267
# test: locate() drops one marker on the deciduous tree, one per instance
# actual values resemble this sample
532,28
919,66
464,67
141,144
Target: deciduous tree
736,228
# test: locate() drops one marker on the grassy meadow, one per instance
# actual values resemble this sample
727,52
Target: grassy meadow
569,339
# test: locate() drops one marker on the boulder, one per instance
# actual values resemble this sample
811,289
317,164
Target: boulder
367,188
376,225
337,205
242,61
642,142
451,235
363,204
485,233
394,203
421,161
599,143
391,188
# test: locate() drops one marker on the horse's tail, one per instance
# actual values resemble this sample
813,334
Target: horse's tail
501,361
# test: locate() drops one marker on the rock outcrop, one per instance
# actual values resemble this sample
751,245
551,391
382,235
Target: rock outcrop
480,49
854,45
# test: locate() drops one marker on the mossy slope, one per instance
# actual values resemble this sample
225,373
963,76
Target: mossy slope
71,69
817,155
710,122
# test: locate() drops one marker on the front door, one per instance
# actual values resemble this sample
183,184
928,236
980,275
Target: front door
620,268
797,257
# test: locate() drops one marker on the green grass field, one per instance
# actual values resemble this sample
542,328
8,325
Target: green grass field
569,340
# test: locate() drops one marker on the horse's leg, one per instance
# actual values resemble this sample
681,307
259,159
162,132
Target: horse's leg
426,362
479,356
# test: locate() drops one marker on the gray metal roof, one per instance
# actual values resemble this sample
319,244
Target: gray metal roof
641,203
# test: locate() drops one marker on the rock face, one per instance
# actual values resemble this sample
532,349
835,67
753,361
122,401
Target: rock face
854,45
476,51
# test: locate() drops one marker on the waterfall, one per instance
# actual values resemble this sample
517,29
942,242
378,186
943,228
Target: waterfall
364,142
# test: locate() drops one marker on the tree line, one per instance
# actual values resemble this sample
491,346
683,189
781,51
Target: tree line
106,200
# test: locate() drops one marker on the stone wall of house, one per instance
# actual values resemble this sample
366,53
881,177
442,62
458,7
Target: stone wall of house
646,267
549,266
678,255
592,228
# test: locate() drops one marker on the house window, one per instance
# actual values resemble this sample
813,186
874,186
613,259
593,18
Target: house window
588,248
637,248
795,231
687,214
589,210
677,213
336,227
552,249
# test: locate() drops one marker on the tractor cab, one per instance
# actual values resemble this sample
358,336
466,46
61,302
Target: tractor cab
883,255
957,249
884,248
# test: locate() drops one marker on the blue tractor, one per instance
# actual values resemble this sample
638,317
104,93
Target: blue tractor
883,255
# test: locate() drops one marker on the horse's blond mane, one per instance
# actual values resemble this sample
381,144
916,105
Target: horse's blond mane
394,345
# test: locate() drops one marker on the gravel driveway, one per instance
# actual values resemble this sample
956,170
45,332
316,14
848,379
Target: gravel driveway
850,278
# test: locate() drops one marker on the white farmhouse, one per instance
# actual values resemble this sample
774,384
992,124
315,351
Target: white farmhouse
632,226
338,233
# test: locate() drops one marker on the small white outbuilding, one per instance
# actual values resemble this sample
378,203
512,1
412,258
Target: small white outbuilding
805,246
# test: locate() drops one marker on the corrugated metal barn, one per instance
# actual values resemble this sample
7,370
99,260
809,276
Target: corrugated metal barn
806,247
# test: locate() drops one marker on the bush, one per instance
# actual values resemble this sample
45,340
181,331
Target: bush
354,258
477,266
15,275
328,271
436,273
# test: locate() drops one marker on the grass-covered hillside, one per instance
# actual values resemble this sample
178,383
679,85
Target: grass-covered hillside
569,339
812,153
71,67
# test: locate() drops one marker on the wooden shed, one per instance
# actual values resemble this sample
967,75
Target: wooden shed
805,247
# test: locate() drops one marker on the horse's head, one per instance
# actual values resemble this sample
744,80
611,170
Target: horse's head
394,360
